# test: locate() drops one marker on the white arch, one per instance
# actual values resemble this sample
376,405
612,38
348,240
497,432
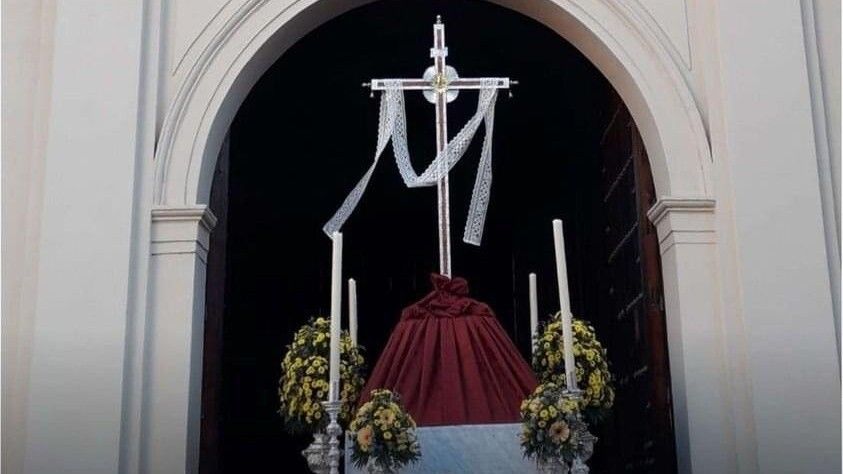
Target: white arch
610,34
616,38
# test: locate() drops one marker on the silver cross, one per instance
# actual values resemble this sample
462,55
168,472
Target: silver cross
441,84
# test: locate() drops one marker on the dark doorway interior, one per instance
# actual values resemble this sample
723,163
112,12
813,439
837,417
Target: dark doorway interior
305,135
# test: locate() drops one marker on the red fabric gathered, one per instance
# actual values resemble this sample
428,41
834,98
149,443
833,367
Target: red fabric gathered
451,361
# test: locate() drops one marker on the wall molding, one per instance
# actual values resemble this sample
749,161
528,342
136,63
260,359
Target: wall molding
683,220
179,57
182,230
187,88
680,50
666,204
823,144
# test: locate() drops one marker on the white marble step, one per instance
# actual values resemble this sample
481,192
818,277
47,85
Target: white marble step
466,449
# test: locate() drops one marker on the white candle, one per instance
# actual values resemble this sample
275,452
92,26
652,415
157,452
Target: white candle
336,314
534,311
564,304
352,310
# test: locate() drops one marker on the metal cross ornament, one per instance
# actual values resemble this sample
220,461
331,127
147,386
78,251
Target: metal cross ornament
441,84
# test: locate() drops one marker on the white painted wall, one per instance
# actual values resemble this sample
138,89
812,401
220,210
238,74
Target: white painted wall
75,379
707,79
76,134
27,32
765,141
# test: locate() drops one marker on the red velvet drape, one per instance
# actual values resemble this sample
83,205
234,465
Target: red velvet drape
451,361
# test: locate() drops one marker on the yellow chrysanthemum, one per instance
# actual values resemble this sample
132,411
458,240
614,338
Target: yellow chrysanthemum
387,416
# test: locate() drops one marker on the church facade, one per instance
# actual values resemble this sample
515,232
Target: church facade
115,114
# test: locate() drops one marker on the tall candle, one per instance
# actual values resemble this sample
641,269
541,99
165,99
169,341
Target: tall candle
352,310
534,311
336,314
564,304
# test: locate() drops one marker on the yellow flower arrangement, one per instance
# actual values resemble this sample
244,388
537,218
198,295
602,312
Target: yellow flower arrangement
551,425
304,378
383,433
592,368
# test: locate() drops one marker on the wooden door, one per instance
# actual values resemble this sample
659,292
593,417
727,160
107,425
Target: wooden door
629,315
211,433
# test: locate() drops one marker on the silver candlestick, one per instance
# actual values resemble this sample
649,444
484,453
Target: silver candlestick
586,440
333,431
317,454
574,392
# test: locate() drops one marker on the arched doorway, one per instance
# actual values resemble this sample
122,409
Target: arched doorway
163,426
566,147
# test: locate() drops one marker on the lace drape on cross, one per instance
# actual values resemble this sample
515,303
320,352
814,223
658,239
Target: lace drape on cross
440,85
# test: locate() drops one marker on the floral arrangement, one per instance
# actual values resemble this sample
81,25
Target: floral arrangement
304,378
552,428
383,433
592,368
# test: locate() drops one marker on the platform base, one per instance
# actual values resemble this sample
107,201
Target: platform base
466,449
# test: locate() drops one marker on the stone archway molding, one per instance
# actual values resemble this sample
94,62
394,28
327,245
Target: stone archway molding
614,36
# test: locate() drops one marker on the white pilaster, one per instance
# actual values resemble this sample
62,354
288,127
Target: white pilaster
173,353
701,405
74,397
767,146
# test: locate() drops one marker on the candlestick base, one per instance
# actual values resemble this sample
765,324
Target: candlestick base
317,454
574,392
586,441
552,466
333,432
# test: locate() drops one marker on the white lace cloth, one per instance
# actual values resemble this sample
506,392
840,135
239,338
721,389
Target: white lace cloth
392,124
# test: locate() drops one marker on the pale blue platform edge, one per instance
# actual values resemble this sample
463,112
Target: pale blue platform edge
465,449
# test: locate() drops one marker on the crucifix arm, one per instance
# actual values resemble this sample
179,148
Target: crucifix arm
423,85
